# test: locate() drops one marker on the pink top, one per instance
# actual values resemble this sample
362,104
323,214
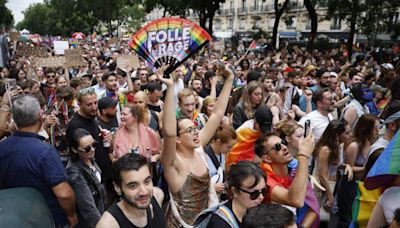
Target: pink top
148,139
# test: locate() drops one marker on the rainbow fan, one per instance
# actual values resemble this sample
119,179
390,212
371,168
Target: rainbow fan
169,41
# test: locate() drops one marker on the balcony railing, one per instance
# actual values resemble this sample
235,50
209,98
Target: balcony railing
242,10
336,27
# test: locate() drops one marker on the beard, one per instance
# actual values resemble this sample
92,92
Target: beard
110,115
133,203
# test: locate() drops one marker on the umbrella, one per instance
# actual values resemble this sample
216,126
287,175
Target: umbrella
35,38
78,35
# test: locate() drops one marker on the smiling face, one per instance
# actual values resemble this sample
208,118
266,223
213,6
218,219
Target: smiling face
188,105
136,187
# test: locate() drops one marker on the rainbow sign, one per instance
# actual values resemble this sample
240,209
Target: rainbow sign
169,41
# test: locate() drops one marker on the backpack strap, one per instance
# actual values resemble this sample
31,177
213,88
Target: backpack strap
227,215
212,156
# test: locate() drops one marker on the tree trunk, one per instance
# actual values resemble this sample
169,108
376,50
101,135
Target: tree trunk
210,24
353,23
314,23
278,14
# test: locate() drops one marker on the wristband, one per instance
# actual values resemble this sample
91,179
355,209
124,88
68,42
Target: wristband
303,155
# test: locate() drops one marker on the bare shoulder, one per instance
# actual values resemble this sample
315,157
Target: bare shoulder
107,221
159,195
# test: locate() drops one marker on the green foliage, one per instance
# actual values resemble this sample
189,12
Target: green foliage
64,17
6,17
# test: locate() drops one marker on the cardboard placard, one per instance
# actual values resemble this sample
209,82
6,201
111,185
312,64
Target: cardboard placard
50,62
60,46
26,50
73,58
112,40
128,62
15,36
219,46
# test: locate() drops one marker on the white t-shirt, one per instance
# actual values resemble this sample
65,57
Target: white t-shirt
390,201
318,123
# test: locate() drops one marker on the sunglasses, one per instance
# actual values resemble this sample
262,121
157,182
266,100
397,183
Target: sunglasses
278,146
89,148
255,194
51,76
85,91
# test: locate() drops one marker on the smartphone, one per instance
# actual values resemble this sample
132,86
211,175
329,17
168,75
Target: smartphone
11,82
307,127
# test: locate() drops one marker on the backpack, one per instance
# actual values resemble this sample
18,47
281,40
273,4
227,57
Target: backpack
221,210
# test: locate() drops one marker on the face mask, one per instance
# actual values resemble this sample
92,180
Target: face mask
367,95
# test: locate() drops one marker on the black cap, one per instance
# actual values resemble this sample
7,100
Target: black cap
263,116
106,102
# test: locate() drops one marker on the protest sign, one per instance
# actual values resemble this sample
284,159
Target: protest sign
26,50
15,36
128,62
112,40
60,46
73,57
56,61
169,41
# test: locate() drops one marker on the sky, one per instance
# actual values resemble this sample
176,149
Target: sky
17,6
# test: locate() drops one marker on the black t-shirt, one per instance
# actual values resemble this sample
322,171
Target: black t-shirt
101,153
218,222
111,126
156,108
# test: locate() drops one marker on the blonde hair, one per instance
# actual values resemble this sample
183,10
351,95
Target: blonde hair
185,93
286,128
208,100
248,109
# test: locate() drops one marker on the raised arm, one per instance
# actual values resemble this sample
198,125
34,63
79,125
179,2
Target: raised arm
295,195
168,155
220,107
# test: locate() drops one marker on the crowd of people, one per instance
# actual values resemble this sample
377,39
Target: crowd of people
281,138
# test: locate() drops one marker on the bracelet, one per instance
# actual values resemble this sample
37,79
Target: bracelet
303,155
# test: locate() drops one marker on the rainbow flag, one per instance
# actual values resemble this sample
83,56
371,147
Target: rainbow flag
363,204
387,166
244,147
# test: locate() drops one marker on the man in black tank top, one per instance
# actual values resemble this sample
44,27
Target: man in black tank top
140,201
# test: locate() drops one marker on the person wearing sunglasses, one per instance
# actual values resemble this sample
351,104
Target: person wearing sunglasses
247,188
84,175
287,187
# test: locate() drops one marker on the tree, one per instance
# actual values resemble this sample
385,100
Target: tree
6,17
350,11
37,19
279,10
310,6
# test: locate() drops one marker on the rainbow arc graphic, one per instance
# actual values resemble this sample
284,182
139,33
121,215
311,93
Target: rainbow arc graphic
169,41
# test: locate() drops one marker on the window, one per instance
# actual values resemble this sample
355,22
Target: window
217,24
230,23
242,23
291,23
336,23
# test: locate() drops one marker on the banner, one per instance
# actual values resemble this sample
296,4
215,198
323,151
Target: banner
26,50
57,61
169,41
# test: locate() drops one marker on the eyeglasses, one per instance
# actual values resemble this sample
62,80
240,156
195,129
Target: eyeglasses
85,91
51,76
89,148
256,193
191,130
278,146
